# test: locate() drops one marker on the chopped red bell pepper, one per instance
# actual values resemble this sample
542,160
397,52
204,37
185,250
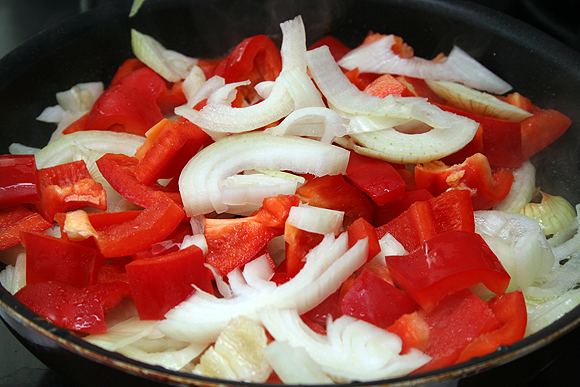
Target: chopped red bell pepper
68,187
335,193
54,259
389,211
360,229
329,307
275,210
171,98
127,67
413,331
158,284
376,301
16,219
256,59
360,80
77,125
119,171
417,87
77,309
446,263
384,85
298,244
130,104
510,311
487,187
152,225
377,178
176,143
168,245
337,48
458,320
452,210
18,183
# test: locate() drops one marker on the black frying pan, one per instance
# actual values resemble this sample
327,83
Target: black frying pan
91,46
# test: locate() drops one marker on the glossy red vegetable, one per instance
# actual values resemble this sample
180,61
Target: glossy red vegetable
55,259
389,211
446,263
361,229
16,219
160,283
298,244
487,187
18,183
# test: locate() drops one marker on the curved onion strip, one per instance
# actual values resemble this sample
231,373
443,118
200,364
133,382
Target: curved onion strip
200,180
204,91
352,349
301,88
316,219
203,316
522,190
171,65
378,57
254,188
545,314
192,83
60,151
476,101
553,213
318,122
293,365
449,134
293,49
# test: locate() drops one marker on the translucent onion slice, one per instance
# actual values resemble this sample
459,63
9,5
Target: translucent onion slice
293,365
449,134
315,122
81,97
545,314
200,180
522,190
203,316
171,65
254,188
204,91
315,219
352,349
193,82
61,151
476,101
378,57
553,213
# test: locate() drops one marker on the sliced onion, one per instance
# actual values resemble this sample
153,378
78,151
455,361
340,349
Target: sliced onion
204,91
545,314
20,149
254,188
13,278
316,122
315,219
171,65
200,180
476,101
60,151
193,82
293,49
80,98
352,349
553,213
203,316
449,134
378,57
301,89
522,190
51,114
135,7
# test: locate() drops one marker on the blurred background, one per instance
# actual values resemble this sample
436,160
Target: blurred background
22,19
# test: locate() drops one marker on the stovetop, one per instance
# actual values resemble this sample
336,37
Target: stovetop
21,19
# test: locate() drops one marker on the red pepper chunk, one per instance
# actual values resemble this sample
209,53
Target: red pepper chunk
129,105
298,244
487,187
70,307
68,187
361,229
374,300
160,283
54,259
18,183
445,264
377,178
16,219
152,225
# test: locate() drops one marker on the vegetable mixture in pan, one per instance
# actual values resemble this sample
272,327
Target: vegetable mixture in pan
292,214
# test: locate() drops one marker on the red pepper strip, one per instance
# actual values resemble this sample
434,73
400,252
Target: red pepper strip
448,262
275,210
413,331
127,67
335,193
487,187
171,98
114,271
318,315
16,219
360,229
256,59
68,187
361,80
389,211
119,171
510,311
298,244
18,183
77,309
235,242
453,324
131,103
376,301
452,210
176,143
384,85
54,259
77,125
152,225
169,245
377,178
337,48
158,284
